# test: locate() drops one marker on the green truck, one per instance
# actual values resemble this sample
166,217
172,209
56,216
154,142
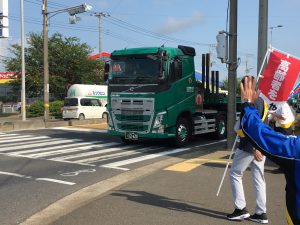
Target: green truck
153,93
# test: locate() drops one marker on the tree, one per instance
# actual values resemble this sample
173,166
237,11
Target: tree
238,81
69,63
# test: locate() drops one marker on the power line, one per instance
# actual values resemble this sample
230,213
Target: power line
50,4
125,25
146,32
81,28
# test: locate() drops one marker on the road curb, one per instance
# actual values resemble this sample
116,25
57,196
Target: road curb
40,124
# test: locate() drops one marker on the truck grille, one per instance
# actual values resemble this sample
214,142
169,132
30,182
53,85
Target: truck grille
132,127
132,114
135,118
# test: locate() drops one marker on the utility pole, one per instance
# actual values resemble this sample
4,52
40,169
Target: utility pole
46,64
231,107
262,44
247,70
73,11
23,96
100,15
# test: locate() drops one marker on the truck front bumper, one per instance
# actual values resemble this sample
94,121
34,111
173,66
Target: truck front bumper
142,135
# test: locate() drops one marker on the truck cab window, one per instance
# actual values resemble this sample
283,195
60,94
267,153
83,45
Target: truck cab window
175,70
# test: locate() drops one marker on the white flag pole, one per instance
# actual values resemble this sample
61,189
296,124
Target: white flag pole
236,138
228,161
270,49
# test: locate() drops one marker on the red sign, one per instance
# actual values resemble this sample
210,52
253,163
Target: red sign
279,78
6,76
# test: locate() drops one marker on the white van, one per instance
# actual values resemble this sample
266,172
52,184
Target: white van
85,102
83,108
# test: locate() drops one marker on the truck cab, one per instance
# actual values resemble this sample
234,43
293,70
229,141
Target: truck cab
152,94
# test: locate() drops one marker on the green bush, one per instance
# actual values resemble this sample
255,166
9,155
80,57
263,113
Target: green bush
56,108
36,109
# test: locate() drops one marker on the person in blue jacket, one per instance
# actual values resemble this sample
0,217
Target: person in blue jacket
282,149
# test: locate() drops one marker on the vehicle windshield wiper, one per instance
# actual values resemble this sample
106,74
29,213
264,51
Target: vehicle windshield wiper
138,86
122,77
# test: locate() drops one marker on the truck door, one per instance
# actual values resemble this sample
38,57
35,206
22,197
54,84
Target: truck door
179,89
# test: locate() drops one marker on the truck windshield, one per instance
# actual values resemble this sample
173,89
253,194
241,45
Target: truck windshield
135,70
71,102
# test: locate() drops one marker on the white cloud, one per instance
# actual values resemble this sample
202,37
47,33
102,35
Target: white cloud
173,25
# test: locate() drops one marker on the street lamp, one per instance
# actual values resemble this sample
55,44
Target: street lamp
46,16
271,30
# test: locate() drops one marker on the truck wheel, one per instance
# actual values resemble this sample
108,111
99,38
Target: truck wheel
221,129
81,116
183,132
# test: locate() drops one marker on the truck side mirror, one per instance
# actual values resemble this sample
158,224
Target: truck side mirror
164,58
106,71
162,70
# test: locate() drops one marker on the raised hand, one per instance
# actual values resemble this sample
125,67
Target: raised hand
248,91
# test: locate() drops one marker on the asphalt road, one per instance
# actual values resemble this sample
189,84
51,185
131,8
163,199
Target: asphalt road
39,167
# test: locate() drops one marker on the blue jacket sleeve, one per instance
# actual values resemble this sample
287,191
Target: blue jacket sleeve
266,139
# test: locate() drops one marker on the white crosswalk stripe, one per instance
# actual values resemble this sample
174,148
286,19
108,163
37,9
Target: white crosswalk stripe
45,152
89,153
39,151
116,155
111,155
51,141
7,135
23,138
13,137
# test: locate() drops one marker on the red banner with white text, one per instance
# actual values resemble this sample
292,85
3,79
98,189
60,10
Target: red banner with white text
278,79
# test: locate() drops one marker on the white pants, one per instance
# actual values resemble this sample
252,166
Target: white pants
241,161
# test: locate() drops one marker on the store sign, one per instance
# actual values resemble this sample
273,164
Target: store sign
5,77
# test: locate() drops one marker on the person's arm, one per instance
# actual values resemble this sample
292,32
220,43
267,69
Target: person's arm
265,138
278,116
261,135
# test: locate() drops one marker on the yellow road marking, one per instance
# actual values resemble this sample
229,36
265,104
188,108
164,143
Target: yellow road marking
191,164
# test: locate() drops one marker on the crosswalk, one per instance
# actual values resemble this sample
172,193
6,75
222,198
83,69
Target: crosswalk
93,153
102,153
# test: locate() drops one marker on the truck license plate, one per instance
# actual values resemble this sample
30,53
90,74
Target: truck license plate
131,135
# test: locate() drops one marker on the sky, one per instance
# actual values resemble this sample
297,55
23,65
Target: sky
148,23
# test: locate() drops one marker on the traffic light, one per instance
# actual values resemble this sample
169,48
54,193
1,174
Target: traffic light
222,46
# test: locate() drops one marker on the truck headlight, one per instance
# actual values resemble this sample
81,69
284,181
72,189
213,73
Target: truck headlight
158,120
